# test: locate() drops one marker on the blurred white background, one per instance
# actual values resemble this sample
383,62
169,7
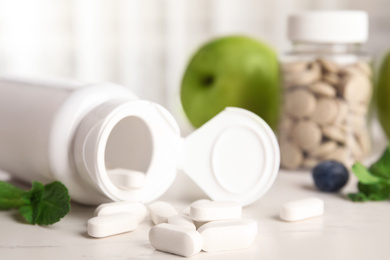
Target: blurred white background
145,44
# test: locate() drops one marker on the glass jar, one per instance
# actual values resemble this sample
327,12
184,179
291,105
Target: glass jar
326,89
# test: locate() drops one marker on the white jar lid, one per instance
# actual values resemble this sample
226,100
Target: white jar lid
328,27
235,156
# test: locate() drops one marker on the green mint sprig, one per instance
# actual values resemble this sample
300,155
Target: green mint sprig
42,205
374,183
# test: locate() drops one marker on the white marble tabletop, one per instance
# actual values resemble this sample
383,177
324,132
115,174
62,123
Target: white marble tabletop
347,230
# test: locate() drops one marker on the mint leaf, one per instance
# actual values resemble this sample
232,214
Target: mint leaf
376,191
42,205
31,211
358,197
371,187
364,175
381,168
10,196
48,204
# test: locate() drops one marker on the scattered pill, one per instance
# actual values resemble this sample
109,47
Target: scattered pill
175,239
160,211
227,235
136,208
215,210
126,178
302,209
188,208
182,220
108,225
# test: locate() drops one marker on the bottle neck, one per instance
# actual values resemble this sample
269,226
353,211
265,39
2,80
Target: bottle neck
326,48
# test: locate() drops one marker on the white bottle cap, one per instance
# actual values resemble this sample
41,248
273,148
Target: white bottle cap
328,27
235,156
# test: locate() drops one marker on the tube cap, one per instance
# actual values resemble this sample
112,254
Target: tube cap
328,27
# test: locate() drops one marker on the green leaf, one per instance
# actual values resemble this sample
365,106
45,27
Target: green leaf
364,175
358,197
10,196
31,211
48,204
381,168
375,191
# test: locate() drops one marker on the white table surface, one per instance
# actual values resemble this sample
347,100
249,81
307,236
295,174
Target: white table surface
346,231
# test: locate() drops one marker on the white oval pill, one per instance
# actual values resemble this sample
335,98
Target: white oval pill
126,178
136,208
108,225
227,235
182,221
175,239
302,209
215,210
188,208
160,211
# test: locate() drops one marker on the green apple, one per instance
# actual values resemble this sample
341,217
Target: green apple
233,71
383,95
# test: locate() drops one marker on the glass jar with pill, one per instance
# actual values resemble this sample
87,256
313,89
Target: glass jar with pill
327,88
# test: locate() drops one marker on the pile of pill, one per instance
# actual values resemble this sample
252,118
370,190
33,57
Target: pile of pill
203,225
324,112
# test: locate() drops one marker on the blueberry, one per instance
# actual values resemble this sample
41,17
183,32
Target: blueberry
330,176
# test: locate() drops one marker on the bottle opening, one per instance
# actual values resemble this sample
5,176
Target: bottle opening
127,150
129,147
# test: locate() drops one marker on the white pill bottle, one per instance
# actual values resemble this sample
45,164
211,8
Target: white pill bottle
75,133
327,88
